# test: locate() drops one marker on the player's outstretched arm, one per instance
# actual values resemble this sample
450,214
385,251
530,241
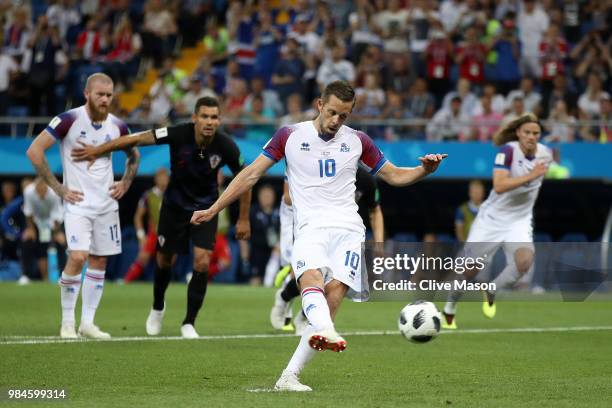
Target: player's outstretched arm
243,181
36,154
90,153
502,181
377,223
119,188
403,176
243,224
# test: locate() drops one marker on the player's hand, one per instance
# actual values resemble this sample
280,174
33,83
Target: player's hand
539,170
59,237
430,162
243,229
84,153
118,189
201,216
29,234
70,196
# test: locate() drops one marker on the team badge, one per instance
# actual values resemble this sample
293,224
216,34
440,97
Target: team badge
162,240
344,148
215,159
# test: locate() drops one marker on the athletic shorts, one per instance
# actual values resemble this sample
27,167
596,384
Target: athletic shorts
336,253
99,235
175,231
485,239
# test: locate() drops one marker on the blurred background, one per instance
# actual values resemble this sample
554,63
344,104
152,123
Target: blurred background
429,76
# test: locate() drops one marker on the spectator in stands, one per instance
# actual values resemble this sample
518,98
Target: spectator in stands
361,31
216,43
561,91
184,106
395,109
532,23
8,245
158,31
89,41
289,70
18,33
400,75
422,15
420,103
270,97
168,89
438,61
471,55
336,68
309,41
143,113
468,99
12,224
517,110
373,96
450,14
242,46
391,23
589,101
498,102
267,42
603,131
192,20
295,111
261,120
448,124
507,49
63,15
466,212
123,57
485,123
265,225
592,56
46,64
531,98
561,125
8,72
553,51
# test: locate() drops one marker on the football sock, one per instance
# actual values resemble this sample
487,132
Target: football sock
303,353
160,284
316,309
454,295
290,291
69,293
134,272
93,286
196,291
508,277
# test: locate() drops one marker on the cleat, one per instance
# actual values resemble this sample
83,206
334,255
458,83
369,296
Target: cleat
279,311
449,322
290,382
67,331
488,305
189,332
281,275
327,340
92,331
289,327
300,323
154,321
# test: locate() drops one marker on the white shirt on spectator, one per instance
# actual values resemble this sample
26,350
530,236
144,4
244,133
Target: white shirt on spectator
531,29
498,105
591,106
446,126
450,12
45,211
7,65
531,101
331,71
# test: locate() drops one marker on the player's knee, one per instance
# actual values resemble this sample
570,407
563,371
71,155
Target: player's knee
523,259
311,277
78,258
164,260
200,265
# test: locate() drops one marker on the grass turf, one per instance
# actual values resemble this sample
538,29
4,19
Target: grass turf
497,369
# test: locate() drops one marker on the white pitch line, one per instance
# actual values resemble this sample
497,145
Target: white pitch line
12,340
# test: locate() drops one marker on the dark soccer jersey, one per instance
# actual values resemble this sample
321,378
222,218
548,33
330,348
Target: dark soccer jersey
193,180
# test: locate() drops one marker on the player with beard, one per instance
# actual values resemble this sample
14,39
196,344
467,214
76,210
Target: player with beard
90,194
198,150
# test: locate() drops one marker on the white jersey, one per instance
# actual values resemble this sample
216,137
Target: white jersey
75,126
321,173
45,211
515,205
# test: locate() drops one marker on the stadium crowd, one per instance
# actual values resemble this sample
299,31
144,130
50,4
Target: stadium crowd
461,68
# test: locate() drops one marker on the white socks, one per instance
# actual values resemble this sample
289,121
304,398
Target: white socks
316,309
93,287
303,353
69,289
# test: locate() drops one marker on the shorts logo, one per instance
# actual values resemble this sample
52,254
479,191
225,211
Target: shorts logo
344,148
107,138
215,159
305,147
161,239
300,264
73,239
352,275
161,133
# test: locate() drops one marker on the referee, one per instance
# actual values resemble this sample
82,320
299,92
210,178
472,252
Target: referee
198,150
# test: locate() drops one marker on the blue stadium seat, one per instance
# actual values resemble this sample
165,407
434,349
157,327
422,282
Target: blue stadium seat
446,238
405,237
574,237
542,237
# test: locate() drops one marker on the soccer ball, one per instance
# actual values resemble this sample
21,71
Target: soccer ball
419,322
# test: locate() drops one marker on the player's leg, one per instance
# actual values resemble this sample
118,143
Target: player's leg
144,256
106,241
43,264
280,315
79,232
161,279
203,237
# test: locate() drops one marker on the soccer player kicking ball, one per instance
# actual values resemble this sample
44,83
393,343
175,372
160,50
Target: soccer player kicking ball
198,150
505,218
91,216
322,156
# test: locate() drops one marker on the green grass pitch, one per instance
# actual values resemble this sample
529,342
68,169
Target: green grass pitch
469,368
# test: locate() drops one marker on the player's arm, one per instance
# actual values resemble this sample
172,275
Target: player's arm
403,176
503,181
119,188
243,224
139,217
377,223
36,154
128,142
243,182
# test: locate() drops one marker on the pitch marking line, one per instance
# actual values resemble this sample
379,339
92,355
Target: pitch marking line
11,340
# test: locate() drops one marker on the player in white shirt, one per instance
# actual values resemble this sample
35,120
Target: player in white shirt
44,216
506,216
322,156
90,195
